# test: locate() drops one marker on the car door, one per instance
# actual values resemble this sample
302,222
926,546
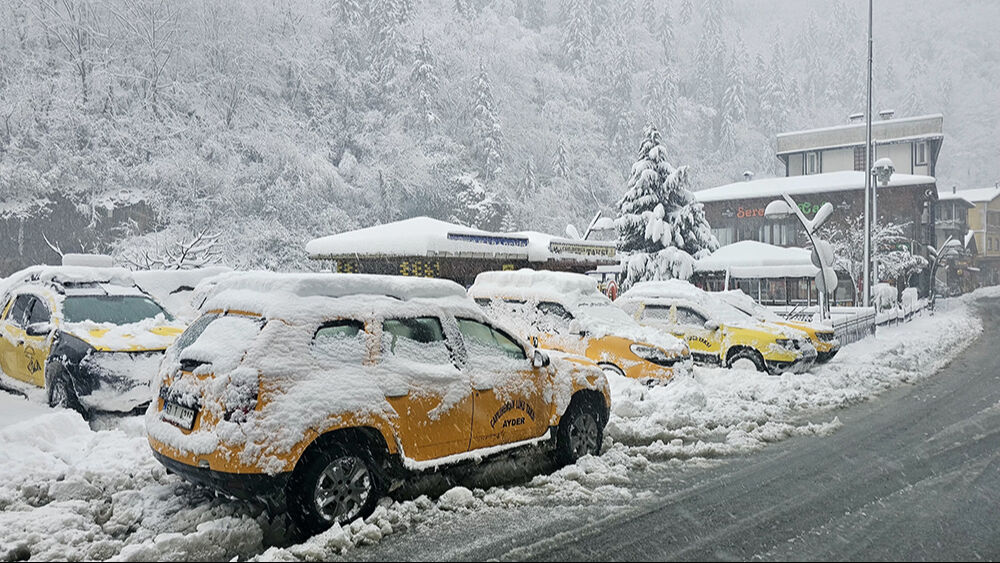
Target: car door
705,344
36,347
12,335
509,403
430,394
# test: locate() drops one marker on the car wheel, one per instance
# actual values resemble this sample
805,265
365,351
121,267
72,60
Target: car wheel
336,485
745,357
60,390
580,433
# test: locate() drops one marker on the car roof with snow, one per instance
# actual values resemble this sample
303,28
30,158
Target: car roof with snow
307,296
74,280
537,284
675,291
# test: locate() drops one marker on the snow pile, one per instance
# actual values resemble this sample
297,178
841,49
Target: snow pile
69,493
723,412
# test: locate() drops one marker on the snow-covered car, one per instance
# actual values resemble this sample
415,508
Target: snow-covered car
717,332
821,336
87,336
328,390
566,312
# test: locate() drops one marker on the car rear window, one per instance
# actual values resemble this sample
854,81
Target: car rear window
220,340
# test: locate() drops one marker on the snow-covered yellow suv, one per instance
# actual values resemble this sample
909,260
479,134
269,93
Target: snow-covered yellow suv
566,312
86,337
718,333
328,390
822,337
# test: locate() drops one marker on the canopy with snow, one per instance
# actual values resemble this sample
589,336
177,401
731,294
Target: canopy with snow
752,259
428,247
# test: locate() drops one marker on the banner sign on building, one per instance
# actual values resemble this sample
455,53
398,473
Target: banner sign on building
489,239
581,249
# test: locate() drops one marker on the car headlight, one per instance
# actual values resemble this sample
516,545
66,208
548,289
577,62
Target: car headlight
655,355
788,343
825,336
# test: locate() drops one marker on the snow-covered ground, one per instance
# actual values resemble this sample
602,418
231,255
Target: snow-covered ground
69,490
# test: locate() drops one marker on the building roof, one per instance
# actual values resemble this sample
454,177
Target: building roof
980,195
955,197
752,259
883,131
423,236
798,185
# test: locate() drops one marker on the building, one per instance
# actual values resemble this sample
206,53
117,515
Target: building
913,144
984,226
736,211
426,247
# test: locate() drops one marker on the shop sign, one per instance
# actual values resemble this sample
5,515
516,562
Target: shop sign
807,208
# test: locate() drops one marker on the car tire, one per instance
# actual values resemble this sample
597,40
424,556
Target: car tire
60,390
580,432
335,484
747,354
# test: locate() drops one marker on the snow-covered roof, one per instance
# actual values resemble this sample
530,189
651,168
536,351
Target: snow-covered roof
424,236
980,195
955,197
798,185
916,128
752,259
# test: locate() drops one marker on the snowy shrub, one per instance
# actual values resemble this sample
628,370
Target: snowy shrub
884,296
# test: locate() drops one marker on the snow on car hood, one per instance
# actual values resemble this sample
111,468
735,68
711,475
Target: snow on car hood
150,334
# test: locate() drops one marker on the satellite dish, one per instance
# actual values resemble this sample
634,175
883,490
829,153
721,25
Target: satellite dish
572,232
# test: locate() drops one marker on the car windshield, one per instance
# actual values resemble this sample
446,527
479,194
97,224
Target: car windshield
114,309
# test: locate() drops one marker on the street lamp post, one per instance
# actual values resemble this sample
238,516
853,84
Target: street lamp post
868,163
826,279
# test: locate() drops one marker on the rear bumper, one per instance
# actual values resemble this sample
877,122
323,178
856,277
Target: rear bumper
246,486
823,357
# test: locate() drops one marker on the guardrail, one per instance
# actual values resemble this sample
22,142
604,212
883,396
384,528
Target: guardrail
849,324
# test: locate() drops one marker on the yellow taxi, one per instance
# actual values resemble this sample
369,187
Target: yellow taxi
566,312
326,391
716,332
821,336
86,336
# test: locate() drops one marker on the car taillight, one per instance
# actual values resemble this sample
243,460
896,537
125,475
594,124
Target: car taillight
241,399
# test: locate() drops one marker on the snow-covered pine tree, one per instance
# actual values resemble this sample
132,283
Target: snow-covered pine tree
686,12
577,33
529,184
664,30
474,206
733,105
425,83
486,128
661,227
560,163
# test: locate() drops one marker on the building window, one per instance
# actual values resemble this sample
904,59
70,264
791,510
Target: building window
812,163
724,235
859,158
920,154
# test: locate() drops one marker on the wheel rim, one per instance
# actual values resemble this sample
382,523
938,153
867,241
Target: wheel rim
342,489
583,435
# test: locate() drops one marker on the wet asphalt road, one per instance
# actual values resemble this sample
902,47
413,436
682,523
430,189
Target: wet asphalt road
913,474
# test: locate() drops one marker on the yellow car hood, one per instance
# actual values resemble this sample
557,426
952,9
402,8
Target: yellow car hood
137,337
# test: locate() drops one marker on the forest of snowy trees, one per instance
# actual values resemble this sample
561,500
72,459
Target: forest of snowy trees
132,125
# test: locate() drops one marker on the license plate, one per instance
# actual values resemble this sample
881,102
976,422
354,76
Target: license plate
178,415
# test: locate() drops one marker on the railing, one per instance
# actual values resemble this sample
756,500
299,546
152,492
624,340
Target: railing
849,324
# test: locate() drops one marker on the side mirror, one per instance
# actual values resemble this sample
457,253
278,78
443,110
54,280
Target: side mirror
540,359
38,329
534,341
711,325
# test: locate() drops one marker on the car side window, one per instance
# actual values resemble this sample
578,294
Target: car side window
688,317
656,312
38,313
554,317
19,310
340,342
418,339
484,340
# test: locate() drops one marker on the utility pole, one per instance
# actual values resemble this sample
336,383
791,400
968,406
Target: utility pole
868,172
